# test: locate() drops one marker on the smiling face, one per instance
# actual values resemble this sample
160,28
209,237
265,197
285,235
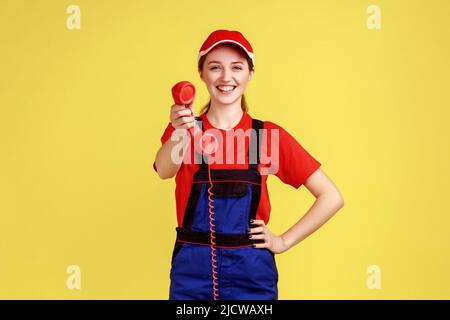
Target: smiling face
226,73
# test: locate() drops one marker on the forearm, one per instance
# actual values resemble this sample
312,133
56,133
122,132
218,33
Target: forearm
324,207
167,160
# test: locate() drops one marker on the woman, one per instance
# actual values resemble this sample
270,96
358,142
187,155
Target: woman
224,249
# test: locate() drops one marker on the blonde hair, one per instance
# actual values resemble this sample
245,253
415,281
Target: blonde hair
244,105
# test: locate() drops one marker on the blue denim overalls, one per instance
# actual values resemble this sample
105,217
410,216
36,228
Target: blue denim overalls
237,270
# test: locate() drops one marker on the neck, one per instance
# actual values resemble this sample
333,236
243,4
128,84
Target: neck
225,116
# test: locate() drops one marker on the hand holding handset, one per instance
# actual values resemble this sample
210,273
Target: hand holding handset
183,93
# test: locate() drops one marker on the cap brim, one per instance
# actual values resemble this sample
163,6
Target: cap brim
249,54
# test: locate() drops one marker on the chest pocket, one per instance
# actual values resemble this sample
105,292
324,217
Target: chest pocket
229,189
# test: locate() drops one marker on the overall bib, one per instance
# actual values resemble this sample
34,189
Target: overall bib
233,269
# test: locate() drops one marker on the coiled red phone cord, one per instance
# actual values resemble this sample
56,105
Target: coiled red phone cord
212,232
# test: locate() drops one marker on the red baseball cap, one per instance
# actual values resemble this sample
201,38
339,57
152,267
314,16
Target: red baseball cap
226,36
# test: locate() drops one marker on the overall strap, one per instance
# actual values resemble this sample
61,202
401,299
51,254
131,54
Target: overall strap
199,157
254,148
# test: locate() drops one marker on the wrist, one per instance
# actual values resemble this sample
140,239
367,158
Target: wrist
285,243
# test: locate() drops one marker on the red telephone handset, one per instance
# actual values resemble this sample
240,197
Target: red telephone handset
183,93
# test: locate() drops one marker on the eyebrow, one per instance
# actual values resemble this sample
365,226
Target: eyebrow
231,63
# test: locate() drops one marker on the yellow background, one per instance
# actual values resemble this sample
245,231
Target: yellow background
82,112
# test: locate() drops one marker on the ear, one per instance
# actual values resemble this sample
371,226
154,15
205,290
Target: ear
250,77
200,73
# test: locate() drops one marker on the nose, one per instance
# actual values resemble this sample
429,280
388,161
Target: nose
226,75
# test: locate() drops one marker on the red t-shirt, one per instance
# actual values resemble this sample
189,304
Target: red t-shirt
293,167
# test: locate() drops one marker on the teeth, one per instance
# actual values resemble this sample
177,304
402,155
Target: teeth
225,88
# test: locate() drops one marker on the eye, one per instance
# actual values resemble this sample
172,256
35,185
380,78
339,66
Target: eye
214,68
239,68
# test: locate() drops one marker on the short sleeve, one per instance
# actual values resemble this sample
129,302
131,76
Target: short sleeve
165,136
295,164
167,133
